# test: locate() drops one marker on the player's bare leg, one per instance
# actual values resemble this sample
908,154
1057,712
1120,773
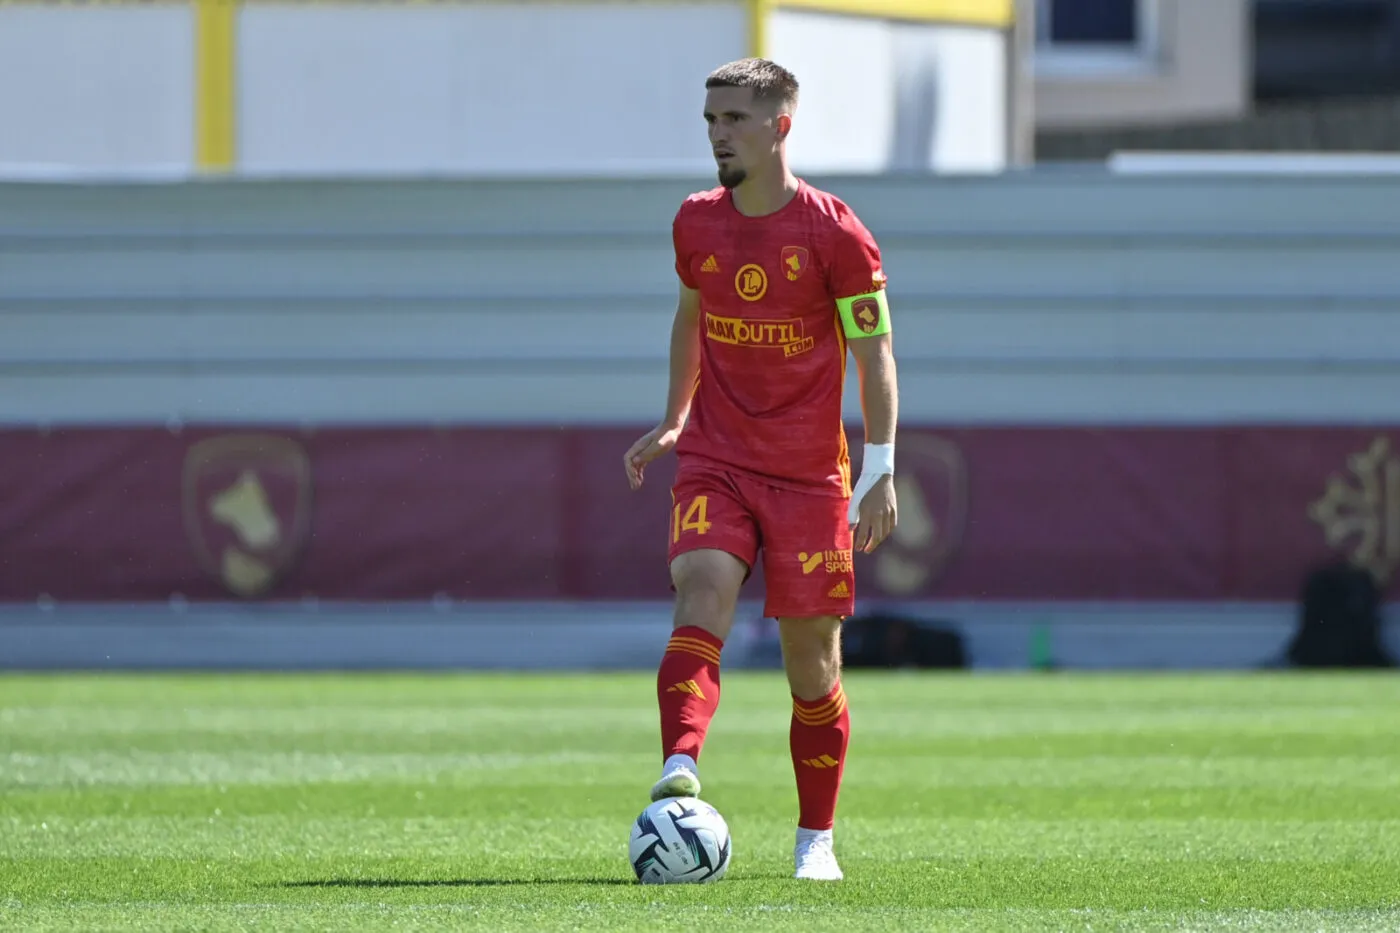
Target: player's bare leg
818,736
707,583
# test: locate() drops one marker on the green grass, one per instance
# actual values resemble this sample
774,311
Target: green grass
503,802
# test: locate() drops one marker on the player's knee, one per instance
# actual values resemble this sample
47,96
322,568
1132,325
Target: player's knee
811,678
703,605
811,655
707,589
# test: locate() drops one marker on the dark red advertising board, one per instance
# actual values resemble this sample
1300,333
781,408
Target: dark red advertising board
479,513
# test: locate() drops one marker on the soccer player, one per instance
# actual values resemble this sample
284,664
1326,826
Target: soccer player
777,280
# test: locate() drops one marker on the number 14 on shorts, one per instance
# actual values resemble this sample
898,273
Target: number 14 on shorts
693,518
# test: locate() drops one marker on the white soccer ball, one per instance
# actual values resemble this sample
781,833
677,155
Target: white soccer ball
679,840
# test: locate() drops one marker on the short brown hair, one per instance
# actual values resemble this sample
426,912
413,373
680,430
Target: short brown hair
767,80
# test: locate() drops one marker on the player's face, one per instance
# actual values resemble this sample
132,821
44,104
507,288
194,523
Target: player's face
744,135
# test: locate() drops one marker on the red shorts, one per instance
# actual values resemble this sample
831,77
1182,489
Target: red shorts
804,537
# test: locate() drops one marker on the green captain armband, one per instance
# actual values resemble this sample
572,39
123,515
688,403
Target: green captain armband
865,315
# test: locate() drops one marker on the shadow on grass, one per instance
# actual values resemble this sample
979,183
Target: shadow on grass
449,882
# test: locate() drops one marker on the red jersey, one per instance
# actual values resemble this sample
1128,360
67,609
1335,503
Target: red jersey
773,354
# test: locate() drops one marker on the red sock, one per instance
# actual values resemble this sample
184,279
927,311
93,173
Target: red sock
687,690
819,733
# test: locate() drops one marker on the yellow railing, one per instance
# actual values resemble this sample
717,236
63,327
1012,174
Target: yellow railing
997,13
216,84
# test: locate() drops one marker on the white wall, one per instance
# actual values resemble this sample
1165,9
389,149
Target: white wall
881,95
480,88
96,87
487,89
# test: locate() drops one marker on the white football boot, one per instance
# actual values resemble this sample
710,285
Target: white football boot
680,777
815,857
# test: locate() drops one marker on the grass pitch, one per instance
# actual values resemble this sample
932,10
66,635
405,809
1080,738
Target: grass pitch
972,802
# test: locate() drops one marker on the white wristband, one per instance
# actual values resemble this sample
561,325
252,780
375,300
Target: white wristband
878,461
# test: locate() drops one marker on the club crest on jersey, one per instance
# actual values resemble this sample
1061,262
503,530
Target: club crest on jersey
751,282
794,261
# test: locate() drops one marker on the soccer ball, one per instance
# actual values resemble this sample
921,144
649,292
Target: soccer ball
679,840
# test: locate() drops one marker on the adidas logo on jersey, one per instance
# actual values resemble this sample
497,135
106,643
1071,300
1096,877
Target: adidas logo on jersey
710,265
839,591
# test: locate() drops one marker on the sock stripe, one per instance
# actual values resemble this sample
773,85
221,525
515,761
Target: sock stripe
703,653
696,647
695,633
824,720
811,712
704,656
694,642
824,714
714,644
837,696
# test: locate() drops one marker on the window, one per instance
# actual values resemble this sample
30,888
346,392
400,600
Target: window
1112,22
1095,36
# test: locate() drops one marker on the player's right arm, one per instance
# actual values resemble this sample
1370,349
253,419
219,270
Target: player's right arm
685,370
685,358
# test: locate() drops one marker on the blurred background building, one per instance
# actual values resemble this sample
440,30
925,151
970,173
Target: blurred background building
323,327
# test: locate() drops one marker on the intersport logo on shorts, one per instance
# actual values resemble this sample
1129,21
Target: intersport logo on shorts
834,561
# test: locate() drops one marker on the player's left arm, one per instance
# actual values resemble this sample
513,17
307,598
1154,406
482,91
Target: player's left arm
873,509
863,314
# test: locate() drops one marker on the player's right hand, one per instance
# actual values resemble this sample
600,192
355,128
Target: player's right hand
659,440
